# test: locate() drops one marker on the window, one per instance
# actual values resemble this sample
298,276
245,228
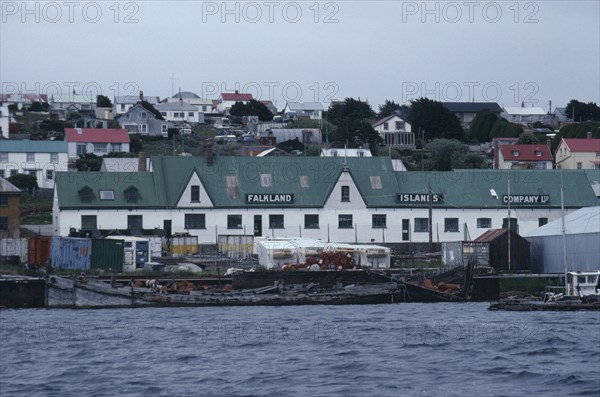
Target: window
30,157
541,165
542,221
143,114
386,126
131,194
54,158
451,225
122,107
195,198
375,182
3,223
1,173
195,221
100,147
116,147
379,221
233,187
399,125
88,222
143,128
190,114
86,194
421,224
81,149
234,221
164,128
515,153
50,174
304,181
204,108
32,172
135,222
107,195
3,157
579,166
13,172
538,153
3,200
311,221
345,221
345,193
484,223
276,221
164,114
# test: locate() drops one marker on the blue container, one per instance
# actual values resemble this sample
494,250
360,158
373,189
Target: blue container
71,253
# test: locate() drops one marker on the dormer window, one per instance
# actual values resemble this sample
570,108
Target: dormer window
515,153
131,194
538,153
86,194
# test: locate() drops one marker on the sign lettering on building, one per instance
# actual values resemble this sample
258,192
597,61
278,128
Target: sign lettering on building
269,198
419,198
526,199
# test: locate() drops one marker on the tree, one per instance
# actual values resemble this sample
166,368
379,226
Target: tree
103,102
437,121
528,138
504,129
482,125
577,130
388,108
350,119
36,107
468,161
88,162
24,181
149,107
252,108
580,111
443,151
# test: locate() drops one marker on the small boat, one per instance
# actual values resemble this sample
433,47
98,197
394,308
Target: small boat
579,293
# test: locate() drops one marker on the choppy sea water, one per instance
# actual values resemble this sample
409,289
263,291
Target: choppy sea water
444,349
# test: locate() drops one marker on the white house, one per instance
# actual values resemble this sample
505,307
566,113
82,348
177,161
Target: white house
395,131
333,199
62,105
228,99
99,141
204,105
526,115
312,110
122,104
4,120
578,153
41,159
23,101
523,157
180,111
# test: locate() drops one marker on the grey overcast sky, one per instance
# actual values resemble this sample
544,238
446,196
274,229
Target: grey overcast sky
502,51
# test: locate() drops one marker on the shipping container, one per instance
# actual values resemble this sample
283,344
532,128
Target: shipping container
39,250
108,255
13,248
71,253
236,246
184,245
136,252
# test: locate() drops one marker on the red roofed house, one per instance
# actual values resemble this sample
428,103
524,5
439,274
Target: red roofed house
578,154
228,99
524,157
99,141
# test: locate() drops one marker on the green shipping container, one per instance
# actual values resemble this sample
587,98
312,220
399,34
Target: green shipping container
108,255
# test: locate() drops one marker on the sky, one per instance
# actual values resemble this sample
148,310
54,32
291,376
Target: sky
507,52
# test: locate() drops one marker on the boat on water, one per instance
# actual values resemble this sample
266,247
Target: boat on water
94,293
581,292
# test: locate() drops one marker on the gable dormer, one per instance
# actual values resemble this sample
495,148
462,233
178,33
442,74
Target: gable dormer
194,194
345,193
86,194
132,194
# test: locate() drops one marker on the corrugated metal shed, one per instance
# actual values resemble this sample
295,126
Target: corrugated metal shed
492,249
25,146
71,252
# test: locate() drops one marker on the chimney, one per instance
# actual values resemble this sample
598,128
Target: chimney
589,135
141,95
208,151
142,162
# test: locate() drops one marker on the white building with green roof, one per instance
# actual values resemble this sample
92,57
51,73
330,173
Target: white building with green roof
42,159
329,198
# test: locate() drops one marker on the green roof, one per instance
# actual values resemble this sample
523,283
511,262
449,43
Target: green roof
25,146
311,180
472,188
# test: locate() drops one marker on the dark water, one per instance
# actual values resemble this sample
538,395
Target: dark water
378,350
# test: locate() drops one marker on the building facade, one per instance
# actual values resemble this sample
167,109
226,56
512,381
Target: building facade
523,157
578,154
139,120
328,198
395,131
42,159
10,213
98,141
